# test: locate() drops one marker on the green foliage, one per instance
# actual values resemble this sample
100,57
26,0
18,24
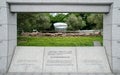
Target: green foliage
58,41
25,22
44,21
96,20
74,22
58,18
29,21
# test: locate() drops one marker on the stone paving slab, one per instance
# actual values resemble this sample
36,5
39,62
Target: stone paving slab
92,59
32,73
27,59
96,43
60,73
60,60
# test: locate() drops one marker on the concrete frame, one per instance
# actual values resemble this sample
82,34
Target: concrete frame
8,24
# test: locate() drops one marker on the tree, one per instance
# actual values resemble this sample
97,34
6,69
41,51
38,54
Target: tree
58,18
81,22
29,21
25,22
74,22
42,22
95,20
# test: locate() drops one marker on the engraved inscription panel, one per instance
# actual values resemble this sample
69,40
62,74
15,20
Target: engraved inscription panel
60,59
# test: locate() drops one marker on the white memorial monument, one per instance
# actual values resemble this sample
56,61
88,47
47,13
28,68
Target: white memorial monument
111,30
60,27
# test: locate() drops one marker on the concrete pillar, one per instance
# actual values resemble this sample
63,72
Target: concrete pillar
8,34
116,36
107,35
112,35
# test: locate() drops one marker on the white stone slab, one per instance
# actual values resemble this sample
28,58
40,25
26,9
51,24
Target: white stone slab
108,46
6,17
107,31
60,59
116,48
116,3
63,1
116,15
11,49
92,60
3,15
11,46
60,8
27,59
11,17
107,18
3,48
3,3
116,32
3,32
3,64
116,65
12,32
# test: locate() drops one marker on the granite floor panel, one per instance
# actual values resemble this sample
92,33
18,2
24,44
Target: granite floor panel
60,60
60,74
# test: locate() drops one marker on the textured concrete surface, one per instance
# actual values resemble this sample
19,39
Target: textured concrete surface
27,59
31,73
60,8
60,59
63,1
92,60
61,74
8,35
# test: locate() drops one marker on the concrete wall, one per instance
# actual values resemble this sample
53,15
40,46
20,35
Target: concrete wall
8,35
116,36
107,35
112,35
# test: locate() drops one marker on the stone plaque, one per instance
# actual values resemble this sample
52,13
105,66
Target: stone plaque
60,59
92,60
27,59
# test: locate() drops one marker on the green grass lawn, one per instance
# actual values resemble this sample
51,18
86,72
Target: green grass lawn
59,41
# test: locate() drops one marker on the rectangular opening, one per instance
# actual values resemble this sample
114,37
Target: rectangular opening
59,29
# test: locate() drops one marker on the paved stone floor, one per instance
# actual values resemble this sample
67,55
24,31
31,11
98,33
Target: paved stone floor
61,74
60,59
18,73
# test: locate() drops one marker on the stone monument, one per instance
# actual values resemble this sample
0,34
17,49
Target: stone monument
8,24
